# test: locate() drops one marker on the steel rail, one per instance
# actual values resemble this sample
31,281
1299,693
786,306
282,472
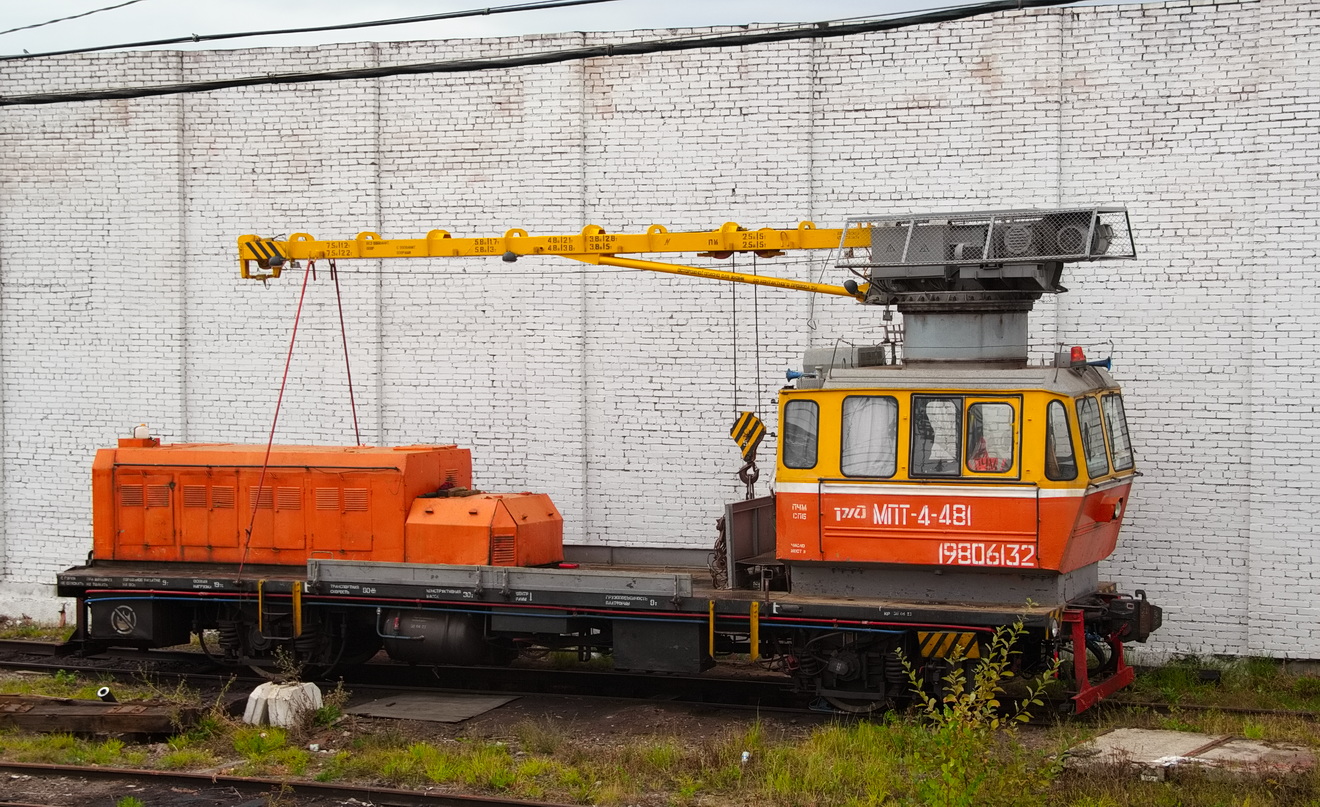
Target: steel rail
733,692
1248,711
751,693
382,796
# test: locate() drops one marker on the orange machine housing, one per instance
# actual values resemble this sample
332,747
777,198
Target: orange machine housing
511,529
196,503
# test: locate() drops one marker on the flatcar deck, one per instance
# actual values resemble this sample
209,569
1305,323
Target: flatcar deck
664,591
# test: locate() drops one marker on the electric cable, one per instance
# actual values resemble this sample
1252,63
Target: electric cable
821,30
66,19
448,15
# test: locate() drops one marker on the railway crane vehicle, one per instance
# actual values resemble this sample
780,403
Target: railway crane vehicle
921,500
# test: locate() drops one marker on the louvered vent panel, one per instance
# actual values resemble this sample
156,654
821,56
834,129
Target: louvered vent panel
355,500
289,498
130,496
327,498
266,501
502,550
158,495
222,497
194,496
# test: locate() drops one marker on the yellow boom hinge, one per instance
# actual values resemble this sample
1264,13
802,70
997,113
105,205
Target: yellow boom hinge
593,245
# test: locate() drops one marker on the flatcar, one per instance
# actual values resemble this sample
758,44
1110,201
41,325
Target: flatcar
919,506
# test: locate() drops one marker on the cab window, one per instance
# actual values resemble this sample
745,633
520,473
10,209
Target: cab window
801,430
1060,461
989,438
936,435
869,436
1093,438
1116,426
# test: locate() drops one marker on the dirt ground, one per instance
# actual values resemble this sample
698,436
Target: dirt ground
589,722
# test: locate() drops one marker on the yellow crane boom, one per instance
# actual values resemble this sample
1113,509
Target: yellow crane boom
593,245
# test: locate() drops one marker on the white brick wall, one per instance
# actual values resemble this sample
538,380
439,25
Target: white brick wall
613,391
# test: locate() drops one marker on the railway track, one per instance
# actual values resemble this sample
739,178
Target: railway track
768,695
1246,711
728,692
214,790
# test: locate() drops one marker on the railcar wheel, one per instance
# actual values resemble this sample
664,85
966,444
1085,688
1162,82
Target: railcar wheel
856,706
359,652
1100,658
849,673
268,673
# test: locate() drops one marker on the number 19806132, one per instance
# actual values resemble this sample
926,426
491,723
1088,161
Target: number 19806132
976,553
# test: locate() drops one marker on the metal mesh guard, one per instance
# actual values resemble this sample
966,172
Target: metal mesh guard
1005,236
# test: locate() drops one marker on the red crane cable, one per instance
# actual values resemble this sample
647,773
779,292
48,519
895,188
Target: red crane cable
343,331
270,441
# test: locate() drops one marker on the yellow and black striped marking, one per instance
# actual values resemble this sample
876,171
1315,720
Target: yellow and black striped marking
748,432
264,250
947,643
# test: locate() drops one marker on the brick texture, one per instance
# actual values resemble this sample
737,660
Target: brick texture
612,390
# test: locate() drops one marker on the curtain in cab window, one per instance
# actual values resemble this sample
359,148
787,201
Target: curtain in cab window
801,427
936,435
1116,423
1093,438
989,437
1060,461
869,436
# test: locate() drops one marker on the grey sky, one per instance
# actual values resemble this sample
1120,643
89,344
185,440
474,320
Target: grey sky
159,19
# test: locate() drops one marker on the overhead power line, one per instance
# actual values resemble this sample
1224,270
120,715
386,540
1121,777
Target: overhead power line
448,15
70,17
821,30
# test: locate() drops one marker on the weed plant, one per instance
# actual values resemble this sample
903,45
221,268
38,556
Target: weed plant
1258,683
65,684
25,627
66,749
266,750
960,745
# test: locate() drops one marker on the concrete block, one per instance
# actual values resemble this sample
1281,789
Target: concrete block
283,705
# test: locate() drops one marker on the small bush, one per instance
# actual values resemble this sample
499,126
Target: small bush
185,758
332,706
540,736
256,742
1307,686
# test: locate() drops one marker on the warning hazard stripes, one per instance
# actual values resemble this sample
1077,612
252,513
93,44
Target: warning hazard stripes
265,250
943,644
747,432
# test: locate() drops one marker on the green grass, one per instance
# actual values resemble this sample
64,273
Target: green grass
945,753
65,684
65,749
1255,683
26,627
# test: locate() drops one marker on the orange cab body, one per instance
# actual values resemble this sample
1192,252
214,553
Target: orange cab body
1018,510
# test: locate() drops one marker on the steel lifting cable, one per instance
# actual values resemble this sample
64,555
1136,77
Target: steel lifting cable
270,441
756,331
733,309
343,332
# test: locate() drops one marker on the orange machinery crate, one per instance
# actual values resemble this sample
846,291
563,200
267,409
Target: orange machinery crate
195,502
492,529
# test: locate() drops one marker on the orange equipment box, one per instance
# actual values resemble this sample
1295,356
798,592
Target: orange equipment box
512,529
196,502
